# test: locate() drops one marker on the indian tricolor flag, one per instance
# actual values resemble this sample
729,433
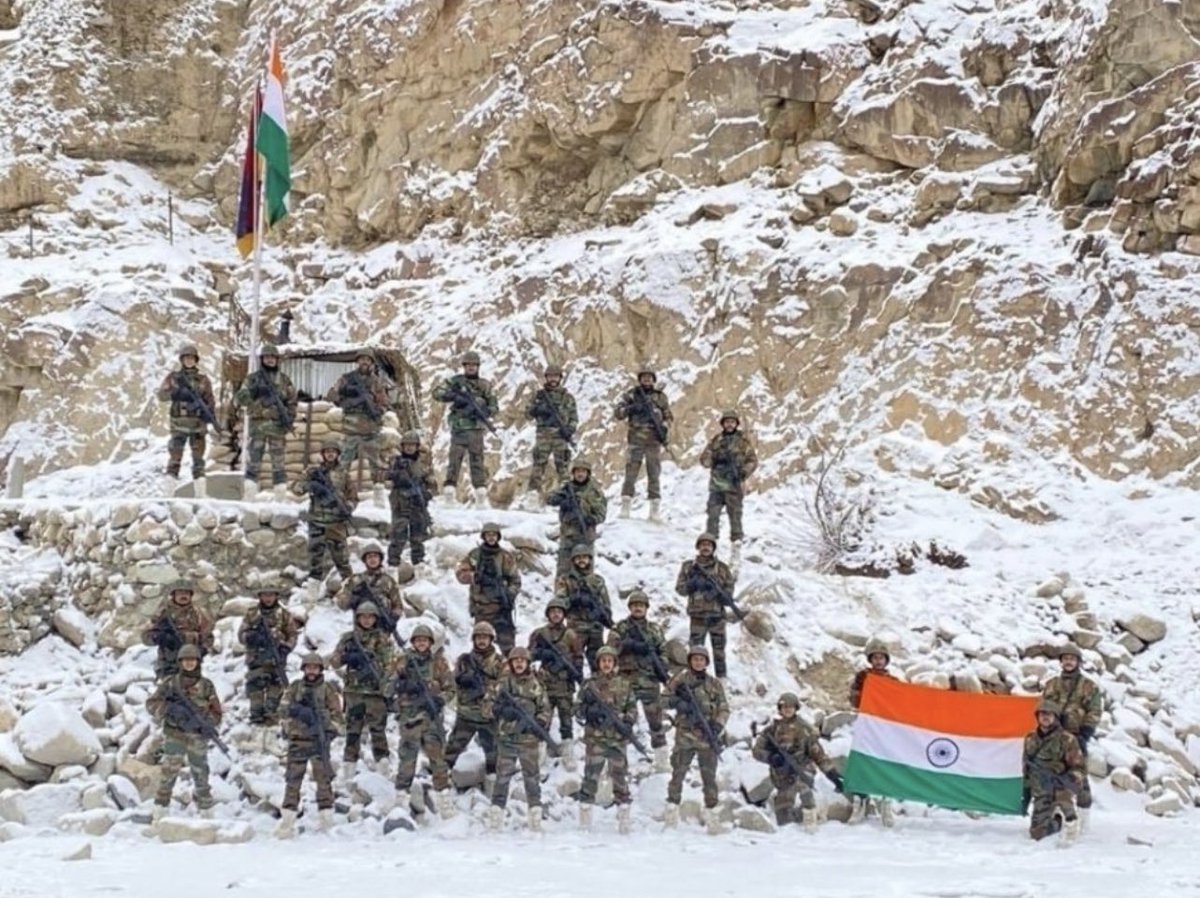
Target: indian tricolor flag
959,750
272,140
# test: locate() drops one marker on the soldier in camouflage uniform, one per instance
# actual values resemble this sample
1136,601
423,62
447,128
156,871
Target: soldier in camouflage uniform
1054,771
791,747
878,659
514,743
495,581
269,633
332,498
475,676
373,585
177,623
1082,703
603,743
589,611
192,409
364,658
270,402
646,409
176,703
554,646
468,419
710,711
424,683
701,581
641,658
362,396
731,457
581,508
314,717
412,485
553,408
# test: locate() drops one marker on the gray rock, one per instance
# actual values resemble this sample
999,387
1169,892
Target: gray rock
1124,779
95,708
18,765
1144,627
41,805
92,823
835,720
182,829
1049,588
71,625
152,572
1086,639
754,819
1167,803
82,853
123,792
468,773
399,819
123,515
53,734
8,715
192,535
1131,643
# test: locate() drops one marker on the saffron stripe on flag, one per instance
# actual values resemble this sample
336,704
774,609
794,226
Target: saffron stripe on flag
937,752
958,713
872,776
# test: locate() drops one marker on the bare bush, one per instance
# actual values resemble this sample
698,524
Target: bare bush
840,507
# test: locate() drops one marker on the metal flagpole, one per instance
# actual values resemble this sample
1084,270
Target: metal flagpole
259,231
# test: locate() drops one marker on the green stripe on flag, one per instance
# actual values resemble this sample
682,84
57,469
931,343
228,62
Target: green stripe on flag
273,145
867,775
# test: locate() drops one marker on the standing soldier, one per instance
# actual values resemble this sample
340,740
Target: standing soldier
1054,771
553,408
269,633
732,458
705,581
589,611
878,659
192,409
186,705
559,654
475,676
472,406
605,702
791,747
1082,703
365,654
581,508
270,402
363,398
177,623
642,659
412,485
423,684
646,409
492,574
518,701
314,716
373,585
332,498
701,712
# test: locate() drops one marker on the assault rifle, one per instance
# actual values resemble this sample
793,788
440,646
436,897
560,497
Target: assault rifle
359,659
166,635
642,403
471,680
543,404
265,388
568,499
591,607
708,583
608,716
182,391
510,708
640,646
689,706
400,475
267,641
556,658
309,714
725,461
787,762
412,683
354,390
190,720
321,484
462,396
493,584
384,619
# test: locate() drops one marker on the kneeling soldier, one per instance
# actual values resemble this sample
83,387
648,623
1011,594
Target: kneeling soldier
314,714
791,747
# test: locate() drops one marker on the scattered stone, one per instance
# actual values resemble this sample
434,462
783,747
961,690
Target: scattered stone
237,606
41,805
1086,639
838,809
754,819
1144,627
8,715
835,720
1124,779
759,625
399,819
1163,740
1049,588
82,853
843,223
92,823
468,773
95,708
1137,840
18,765
1167,803
1131,643
71,624
152,572
192,535
53,734
182,829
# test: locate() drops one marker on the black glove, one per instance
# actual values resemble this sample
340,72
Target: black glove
776,759
1026,798
256,640
468,682
508,712
259,391
179,394
836,778
302,713
1084,737
166,639
177,716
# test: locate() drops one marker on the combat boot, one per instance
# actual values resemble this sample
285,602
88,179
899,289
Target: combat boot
626,501
712,822
535,819
448,493
783,816
199,488
671,815
1070,832
887,815
735,554
481,497
494,818
348,769
383,767
489,783
858,810
325,819
623,823
662,759
446,807
808,816
585,816
287,825
566,754
654,516
281,492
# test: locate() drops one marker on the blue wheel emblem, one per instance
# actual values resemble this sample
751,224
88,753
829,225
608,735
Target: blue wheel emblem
942,752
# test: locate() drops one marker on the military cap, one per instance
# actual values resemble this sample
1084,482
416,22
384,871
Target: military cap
269,587
364,354
189,349
582,461
469,358
706,536
730,413
366,608
268,349
789,698
876,647
410,436
583,550
182,586
647,368
189,651
490,527
607,651
1046,706
312,658
331,444
636,596
553,371
1071,649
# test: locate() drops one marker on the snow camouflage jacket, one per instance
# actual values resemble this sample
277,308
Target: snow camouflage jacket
475,677
193,626
563,403
710,698
255,396
592,505
1053,762
317,695
732,459
616,691
282,627
197,689
369,675
413,668
384,592
860,680
701,593
572,587
462,416
1080,698
323,506
797,739
527,692
487,567
363,399
551,672
634,407
639,668
186,415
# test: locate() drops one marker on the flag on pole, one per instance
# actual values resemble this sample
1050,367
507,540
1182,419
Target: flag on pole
960,750
272,140
248,201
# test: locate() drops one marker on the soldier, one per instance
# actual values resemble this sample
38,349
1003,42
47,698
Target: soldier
701,712
270,402
492,574
518,690
177,623
646,409
365,655
603,742
588,609
362,396
314,716
373,585
412,485
581,508
1054,770
475,676
186,705
640,647
703,581
423,685
332,498
791,747
878,659
269,633
559,654
732,459
1082,703
192,409
472,406
553,408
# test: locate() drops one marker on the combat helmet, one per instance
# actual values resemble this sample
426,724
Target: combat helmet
583,550
410,436
189,349
647,368
581,461
789,698
190,651
729,413
518,652
876,647
706,537
1071,649
1046,706
312,658
370,549
365,354
421,630
694,650
553,371
331,444
558,603
181,585
490,527
366,608
268,349
483,628
607,651
469,358
636,596
270,586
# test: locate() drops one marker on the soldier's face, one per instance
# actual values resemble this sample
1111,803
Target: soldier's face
555,616
422,644
366,621
706,549
311,671
410,448
268,599
553,380
607,664
365,366
646,380
181,597
787,710
189,664
878,660
519,666
329,456
582,562
1045,720
698,663
481,643
637,611
729,425
491,537
579,475
270,361
471,369
189,361
372,560
1069,663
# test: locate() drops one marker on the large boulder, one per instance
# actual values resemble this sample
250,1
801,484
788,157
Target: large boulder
1146,628
42,805
55,735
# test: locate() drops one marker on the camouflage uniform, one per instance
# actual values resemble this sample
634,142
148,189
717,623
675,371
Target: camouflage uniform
266,676
376,586
732,459
602,743
514,745
548,440
328,521
795,738
475,676
187,422
366,696
466,429
412,485
559,686
301,701
488,565
193,627
578,589
638,668
363,399
1054,770
690,742
180,740
581,507
860,680
705,611
267,430
1082,703
420,730
643,442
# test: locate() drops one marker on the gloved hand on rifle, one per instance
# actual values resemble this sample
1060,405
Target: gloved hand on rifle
256,640
696,583
165,638
468,681
177,716
836,778
633,646
302,713
179,393
777,759
356,660
507,711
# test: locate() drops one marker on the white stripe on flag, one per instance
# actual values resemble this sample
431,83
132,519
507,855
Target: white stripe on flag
936,752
